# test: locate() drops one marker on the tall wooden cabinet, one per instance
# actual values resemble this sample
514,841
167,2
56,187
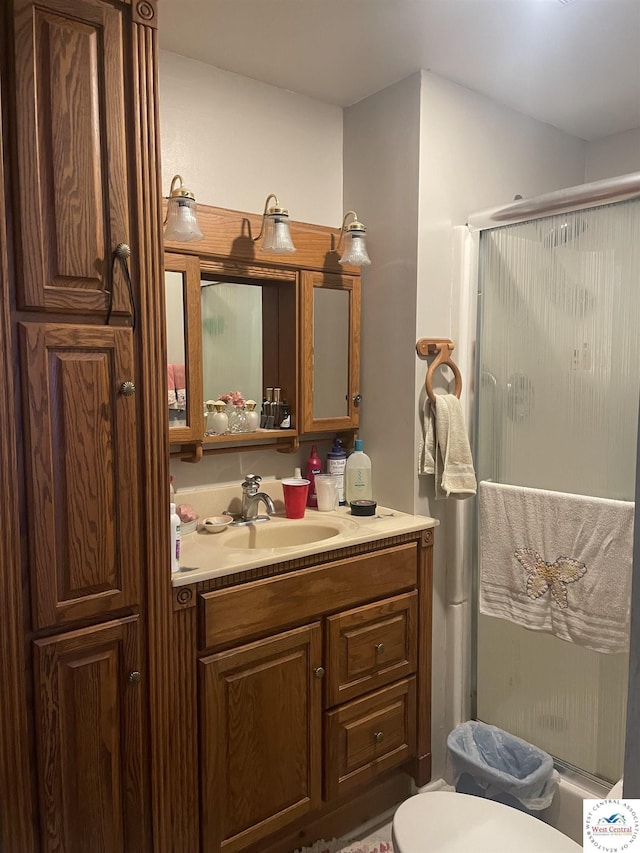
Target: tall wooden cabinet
87,419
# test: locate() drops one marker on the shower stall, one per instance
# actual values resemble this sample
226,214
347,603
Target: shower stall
557,388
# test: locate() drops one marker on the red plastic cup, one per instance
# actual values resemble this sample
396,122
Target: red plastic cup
295,492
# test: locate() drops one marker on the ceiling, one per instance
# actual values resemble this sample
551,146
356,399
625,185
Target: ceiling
574,64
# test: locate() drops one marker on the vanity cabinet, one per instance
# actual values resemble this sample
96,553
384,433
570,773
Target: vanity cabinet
314,689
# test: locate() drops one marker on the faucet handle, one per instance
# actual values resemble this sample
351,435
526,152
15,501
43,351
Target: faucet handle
251,482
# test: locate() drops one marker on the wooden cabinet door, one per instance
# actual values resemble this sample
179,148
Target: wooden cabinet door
71,128
81,471
89,737
260,709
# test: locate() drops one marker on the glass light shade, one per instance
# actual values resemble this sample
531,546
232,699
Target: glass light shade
277,237
355,249
182,225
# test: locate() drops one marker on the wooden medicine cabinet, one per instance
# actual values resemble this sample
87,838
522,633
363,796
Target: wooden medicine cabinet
241,319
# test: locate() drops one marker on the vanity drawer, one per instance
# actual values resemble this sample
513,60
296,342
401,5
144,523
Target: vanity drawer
253,609
370,646
369,736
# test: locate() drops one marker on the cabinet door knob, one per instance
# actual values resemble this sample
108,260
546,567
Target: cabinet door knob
379,648
378,737
128,389
319,672
357,399
135,677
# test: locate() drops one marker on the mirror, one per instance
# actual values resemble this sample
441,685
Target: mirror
176,358
330,353
181,273
231,339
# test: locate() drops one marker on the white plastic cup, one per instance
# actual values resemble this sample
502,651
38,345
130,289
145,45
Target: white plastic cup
327,491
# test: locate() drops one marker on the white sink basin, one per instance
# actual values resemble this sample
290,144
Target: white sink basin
281,534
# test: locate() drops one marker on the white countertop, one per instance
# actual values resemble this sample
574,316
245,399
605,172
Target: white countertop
206,555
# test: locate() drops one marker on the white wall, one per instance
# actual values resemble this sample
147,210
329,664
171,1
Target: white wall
617,154
235,140
382,182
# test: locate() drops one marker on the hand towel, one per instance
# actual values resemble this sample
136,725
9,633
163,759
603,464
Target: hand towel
557,563
427,451
453,453
171,384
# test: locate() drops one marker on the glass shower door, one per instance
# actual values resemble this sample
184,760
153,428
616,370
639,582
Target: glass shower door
557,397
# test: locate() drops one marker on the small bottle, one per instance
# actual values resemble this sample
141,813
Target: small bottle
268,410
285,415
357,475
336,461
274,418
208,418
175,539
314,466
219,420
266,403
253,418
172,491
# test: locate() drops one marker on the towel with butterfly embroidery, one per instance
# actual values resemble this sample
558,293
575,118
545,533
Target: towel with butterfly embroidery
558,563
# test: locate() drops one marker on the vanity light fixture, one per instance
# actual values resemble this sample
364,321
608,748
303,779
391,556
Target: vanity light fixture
355,246
181,224
275,228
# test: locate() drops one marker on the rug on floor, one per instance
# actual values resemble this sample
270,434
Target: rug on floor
369,845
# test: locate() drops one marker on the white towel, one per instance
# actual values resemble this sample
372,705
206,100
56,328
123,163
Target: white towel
445,449
558,563
427,452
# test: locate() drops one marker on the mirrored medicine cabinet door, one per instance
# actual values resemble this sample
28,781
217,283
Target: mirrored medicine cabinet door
330,352
184,347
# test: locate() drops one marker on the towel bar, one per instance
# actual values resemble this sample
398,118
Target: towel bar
442,349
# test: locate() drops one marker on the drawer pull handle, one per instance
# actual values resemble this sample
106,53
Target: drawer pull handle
378,737
319,672
135,677
379,648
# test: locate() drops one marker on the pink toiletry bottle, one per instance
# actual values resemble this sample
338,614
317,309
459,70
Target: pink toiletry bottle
314,466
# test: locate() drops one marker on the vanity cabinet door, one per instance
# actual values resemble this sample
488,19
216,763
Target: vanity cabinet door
330,367
71,126
89,736
81,470
260,710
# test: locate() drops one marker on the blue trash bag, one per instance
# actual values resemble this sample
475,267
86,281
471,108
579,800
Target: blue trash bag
489,762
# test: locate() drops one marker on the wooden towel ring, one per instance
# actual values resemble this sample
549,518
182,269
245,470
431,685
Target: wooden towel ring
442,349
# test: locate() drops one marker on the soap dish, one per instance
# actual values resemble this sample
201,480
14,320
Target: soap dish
216,523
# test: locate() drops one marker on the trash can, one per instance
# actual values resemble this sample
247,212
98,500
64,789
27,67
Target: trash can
488,762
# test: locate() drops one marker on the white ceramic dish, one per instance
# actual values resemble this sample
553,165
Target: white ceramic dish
216,523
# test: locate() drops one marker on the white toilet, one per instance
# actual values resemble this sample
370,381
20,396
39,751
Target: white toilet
448,822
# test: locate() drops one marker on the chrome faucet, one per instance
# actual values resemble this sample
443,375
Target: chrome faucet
251,497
